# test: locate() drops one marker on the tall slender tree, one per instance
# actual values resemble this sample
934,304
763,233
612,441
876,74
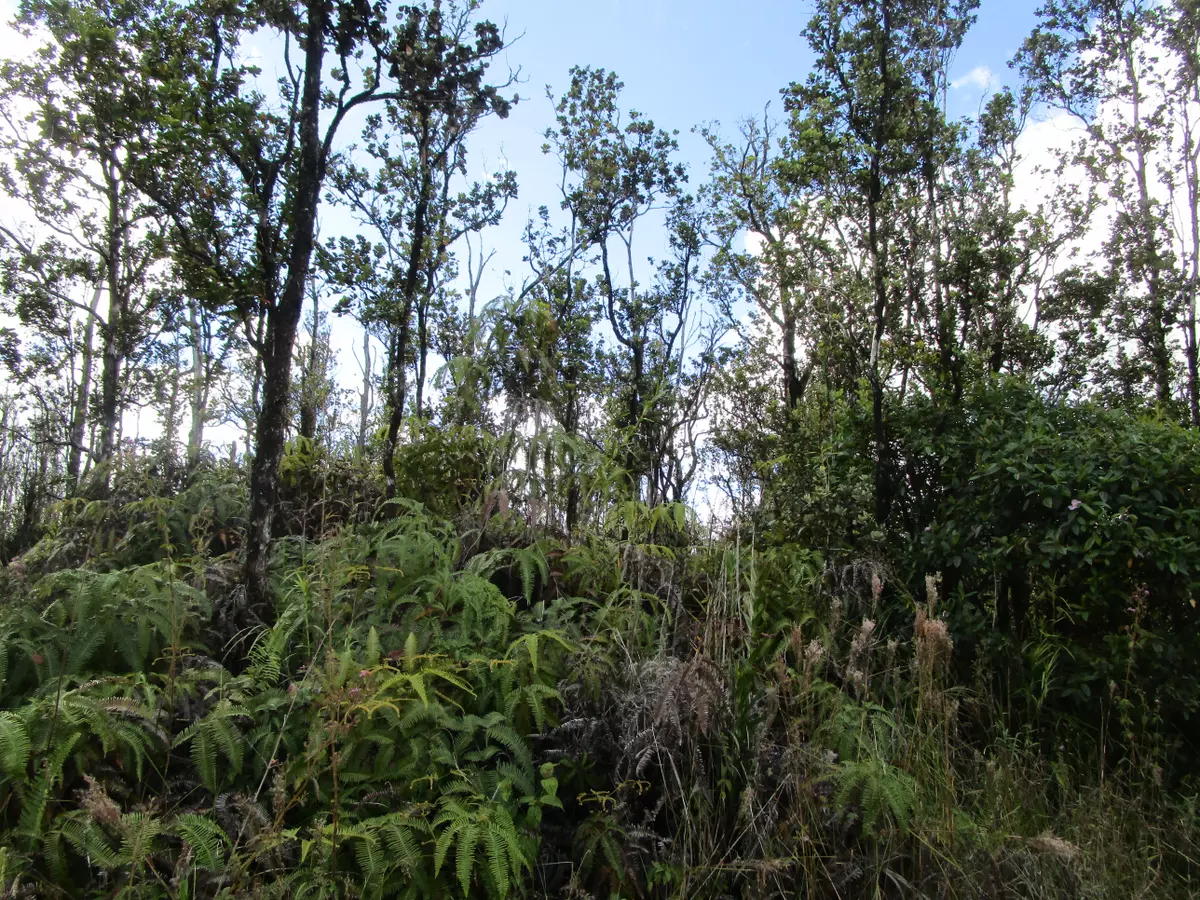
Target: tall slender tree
240,172
72,135
1099,62
412,197
861,137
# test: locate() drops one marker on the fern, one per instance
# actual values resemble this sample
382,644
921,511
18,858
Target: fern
90,842
531,562
885,794
529,642
401,838
464,828
206,838
14,745
516,745
215,734
139,831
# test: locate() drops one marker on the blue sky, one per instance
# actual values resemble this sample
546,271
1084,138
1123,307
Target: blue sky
684,63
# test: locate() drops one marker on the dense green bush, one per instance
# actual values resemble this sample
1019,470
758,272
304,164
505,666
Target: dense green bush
1066,539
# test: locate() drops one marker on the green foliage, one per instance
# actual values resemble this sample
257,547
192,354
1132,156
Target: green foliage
884,793
940,646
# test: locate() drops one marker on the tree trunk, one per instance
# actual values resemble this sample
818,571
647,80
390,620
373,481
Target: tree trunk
1191,178
1193,369
83,393
399,356
171,417
110,389
310,393
364,402
112,355
397,377
1156,325
793,392
422,350
879,275
256,384
795,381
282,321
199,388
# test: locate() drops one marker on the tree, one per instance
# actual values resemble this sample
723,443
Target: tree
73,135
861,136
240,174
210,342
1097,61
315,387
782,252
621,169
407,195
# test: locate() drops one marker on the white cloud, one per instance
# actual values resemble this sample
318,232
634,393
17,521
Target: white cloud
979,77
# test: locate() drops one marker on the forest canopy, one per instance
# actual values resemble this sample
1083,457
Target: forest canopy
818,521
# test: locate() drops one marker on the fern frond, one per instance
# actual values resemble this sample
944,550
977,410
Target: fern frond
514,743
14,744
402,845
206,838
498,859
140,831
465,856
89,842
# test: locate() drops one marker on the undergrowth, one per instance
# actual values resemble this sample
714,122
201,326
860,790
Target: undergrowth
463,709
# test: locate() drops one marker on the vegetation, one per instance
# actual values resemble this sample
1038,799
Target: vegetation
461,629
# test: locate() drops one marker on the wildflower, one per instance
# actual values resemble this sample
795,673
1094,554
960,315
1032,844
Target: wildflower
1075,504
365,673
858,678
354,691
933,643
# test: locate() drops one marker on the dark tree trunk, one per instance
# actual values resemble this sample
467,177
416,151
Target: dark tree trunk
793,382
282,321
399,357
422,351
256,382
110,392
392,439
112,354
309,396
